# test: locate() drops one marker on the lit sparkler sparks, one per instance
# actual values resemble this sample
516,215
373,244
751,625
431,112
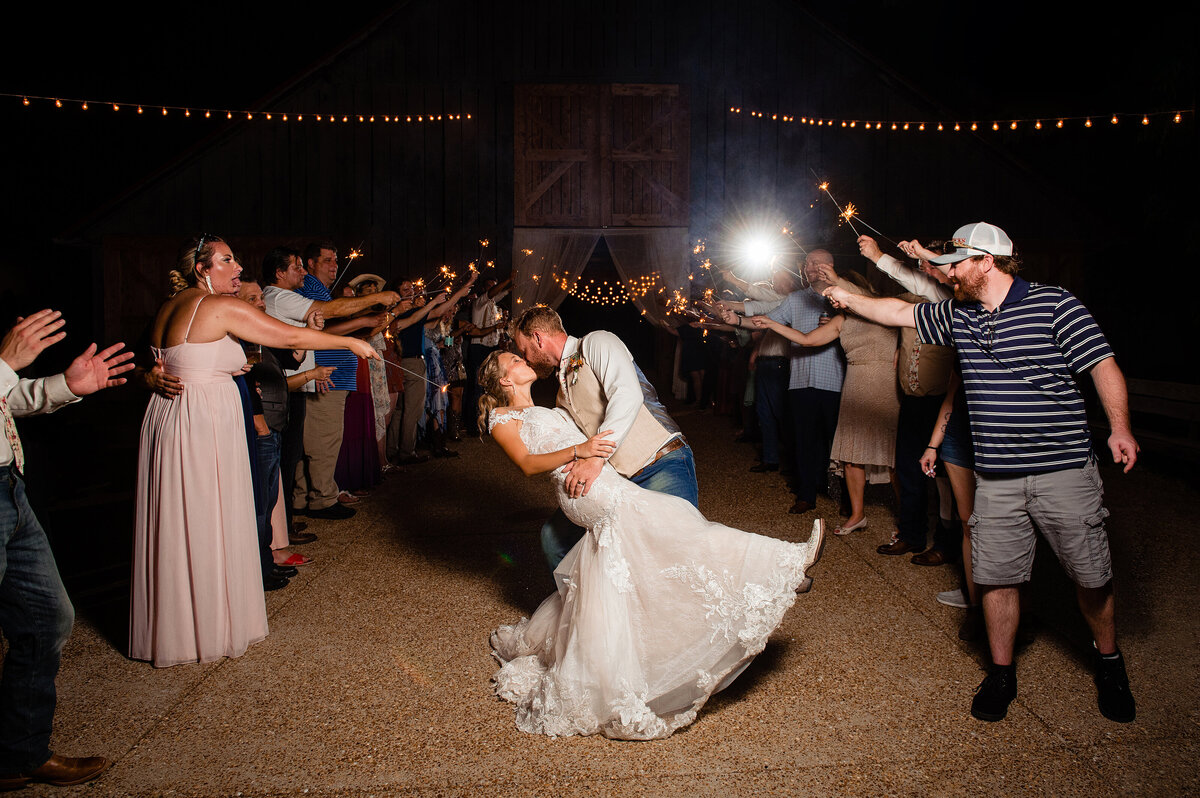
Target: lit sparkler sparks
791,234
824,186
355,254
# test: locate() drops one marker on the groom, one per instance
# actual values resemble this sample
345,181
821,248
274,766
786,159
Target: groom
601,387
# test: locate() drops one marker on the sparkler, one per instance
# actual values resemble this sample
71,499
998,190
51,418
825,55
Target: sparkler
791,234
824,186
851,212
354,255
439,386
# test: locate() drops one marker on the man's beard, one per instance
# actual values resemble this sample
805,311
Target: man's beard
544,370
968,290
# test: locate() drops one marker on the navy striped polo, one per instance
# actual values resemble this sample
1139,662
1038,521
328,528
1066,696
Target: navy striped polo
1018,365
344,377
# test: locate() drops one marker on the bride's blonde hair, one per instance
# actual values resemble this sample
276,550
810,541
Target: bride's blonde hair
493,394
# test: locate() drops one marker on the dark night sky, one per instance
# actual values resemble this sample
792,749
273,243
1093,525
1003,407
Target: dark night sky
985,61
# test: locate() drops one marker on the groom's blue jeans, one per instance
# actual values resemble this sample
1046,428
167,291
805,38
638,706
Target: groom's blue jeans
36,617
674,474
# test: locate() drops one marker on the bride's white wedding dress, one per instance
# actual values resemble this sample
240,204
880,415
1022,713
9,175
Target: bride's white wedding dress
656,607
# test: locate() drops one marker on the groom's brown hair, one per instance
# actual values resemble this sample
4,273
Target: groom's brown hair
540,318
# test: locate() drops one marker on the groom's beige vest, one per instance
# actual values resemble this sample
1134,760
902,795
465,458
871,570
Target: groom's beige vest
584,400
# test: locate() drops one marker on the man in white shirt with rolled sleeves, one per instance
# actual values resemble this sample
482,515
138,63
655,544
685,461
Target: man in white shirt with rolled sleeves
602,388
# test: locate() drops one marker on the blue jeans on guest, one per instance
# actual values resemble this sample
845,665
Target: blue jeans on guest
36,618
673,474
770,403
266,477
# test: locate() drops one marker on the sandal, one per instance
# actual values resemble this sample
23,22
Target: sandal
346,497
296,559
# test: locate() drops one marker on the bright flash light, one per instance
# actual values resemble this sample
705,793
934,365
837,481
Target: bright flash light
757,249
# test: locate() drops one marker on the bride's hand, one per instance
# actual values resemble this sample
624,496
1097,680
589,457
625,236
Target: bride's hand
597,446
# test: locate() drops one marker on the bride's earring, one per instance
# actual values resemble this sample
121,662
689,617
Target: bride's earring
208,281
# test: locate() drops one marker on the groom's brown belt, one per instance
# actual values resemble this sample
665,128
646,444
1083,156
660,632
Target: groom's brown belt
670,446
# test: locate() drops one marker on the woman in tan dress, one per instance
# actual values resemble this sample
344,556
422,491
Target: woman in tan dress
865,442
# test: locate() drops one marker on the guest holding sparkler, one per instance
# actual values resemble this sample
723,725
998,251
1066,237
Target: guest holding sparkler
487,320
1020,346
381,397
197,584
770,363
923,373
296,300
814,383
946,439
409,330
865,440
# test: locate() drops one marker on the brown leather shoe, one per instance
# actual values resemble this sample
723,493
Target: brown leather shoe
930,557
300,538
60,771
898,547
800,507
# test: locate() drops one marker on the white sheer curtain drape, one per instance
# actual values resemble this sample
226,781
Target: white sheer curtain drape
545,257
663,251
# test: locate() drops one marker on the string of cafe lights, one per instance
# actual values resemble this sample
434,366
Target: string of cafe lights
603,292
1036,123
68,103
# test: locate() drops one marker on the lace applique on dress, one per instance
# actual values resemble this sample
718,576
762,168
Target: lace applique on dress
752,612
496,418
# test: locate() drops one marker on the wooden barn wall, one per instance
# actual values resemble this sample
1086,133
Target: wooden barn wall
419,195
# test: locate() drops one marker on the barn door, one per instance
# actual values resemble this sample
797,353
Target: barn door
600,156
644,156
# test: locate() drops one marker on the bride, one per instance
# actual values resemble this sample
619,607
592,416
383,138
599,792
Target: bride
656,607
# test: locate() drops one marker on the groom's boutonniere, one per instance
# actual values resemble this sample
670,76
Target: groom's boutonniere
574,364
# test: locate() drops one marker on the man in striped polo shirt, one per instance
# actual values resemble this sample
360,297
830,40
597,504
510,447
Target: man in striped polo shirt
1019,347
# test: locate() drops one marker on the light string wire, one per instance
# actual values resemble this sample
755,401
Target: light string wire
1058,122
232,113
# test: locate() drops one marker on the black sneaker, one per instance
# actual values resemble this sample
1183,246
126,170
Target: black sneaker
334,512
1112,690
995,693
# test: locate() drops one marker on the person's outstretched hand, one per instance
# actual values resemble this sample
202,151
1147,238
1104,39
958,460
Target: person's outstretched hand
92,371
30,336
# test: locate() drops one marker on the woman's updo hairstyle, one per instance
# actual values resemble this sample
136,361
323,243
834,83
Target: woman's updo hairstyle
196,251
492,393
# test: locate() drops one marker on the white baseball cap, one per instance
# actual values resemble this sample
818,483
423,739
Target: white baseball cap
976,239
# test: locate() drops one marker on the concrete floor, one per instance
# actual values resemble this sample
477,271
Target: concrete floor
374,679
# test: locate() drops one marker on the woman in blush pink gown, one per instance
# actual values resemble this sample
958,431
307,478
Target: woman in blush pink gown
197,592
